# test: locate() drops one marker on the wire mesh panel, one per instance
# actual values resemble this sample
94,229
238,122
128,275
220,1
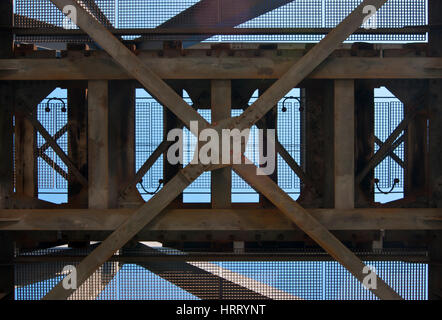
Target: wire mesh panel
44,14
389,112
134,282
14,173
149,14
289,135
394,14
296,14
125,14
408,280
329,13
148,275
52,172
277,280
148,136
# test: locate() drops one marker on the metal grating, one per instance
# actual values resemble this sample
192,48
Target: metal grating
149,135
149,14
145,274
155,13
329,13
44,14
289,135
389,112
297,14
53,116
394,14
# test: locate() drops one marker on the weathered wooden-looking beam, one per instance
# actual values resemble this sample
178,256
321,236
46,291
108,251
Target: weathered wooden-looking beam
77,136
7,291
132,64
276,92
221,179
94,286
51,163
57,149
306,180
318,155
232,219
269,122
98,144
416,149
171,122
365,140
6,159
25,157
25,106
392,153
413,94
268,66
172,189
122,142
161,149
6,23
344,142
295,74
435,155
130,228
386,147
311,227
209,14
25,135
6,109
306,65
45,146
27,96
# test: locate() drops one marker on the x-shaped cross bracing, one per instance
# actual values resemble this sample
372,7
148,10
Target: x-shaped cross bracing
263,184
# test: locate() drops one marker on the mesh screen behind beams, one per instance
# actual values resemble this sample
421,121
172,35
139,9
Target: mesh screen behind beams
149,134
148,278
172,13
